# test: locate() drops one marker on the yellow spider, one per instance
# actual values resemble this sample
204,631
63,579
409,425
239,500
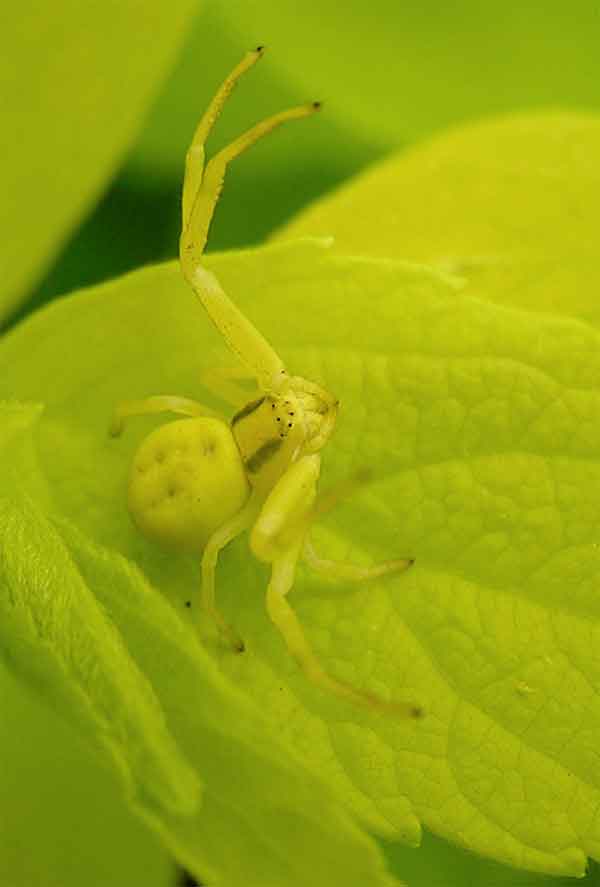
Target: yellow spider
197,483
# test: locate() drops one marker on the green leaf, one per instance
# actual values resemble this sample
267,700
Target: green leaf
83,627
76,80
56,636
249,826
481,426
63,820
509,204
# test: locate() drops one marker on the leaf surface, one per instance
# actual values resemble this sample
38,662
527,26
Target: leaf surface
481,427
56,794
83,628
510,204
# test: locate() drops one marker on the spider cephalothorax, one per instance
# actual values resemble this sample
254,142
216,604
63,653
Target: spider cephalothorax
276,429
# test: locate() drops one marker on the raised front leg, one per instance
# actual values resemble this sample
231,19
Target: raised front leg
201,189
194,161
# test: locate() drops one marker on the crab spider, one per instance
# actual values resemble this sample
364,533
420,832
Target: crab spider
197,483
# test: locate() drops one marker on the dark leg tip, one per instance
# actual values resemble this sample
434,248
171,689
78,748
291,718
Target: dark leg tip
185,879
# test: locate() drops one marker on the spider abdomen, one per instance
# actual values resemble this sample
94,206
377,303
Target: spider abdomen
186,480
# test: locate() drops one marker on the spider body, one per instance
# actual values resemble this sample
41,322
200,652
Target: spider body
269,433
199,482
187,478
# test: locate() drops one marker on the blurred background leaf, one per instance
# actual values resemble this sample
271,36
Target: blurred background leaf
388,75
394,72
76,80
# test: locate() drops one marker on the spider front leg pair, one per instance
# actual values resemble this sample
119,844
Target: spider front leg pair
197,483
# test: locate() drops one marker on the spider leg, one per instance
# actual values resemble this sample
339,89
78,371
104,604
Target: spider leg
329,499
325,403
278,537
345,570
201,189
220,538
285,619
194,161
349,572
160,403
201,210
221,381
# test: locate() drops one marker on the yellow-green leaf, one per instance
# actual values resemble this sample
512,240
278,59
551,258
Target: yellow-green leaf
76,80
509,204
82,627
481,425
63,818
